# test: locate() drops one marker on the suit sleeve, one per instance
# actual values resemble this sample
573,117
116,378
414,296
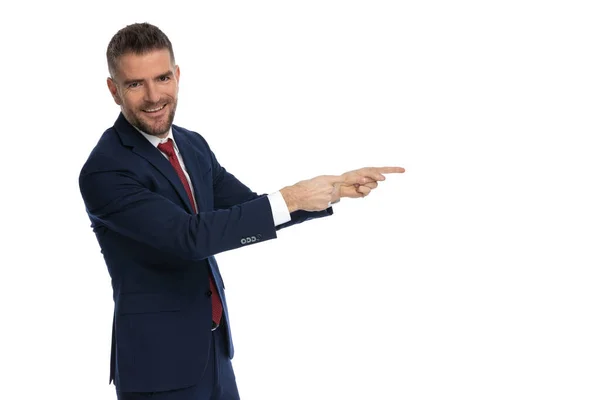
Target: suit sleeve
115,198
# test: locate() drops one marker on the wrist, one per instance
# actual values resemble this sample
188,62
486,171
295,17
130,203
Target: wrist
289,196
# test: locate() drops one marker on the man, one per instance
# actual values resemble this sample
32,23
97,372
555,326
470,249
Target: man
161,207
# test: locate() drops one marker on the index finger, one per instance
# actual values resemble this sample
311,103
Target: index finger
390,170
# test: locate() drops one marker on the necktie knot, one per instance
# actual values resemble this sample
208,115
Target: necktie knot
167,148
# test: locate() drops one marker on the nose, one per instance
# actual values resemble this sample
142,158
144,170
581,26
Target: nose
151,95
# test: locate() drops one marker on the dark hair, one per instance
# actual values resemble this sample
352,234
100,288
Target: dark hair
139,39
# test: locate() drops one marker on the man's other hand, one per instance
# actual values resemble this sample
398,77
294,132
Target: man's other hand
318,193
360,182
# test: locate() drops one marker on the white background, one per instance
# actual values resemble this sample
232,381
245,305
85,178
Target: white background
475,275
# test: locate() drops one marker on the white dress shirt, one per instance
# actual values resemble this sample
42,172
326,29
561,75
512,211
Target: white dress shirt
279,208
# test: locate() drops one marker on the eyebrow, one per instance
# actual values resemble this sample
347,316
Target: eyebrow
128,82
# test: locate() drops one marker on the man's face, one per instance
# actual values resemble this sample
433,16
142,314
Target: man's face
146,87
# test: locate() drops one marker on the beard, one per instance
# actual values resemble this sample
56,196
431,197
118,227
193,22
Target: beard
157,127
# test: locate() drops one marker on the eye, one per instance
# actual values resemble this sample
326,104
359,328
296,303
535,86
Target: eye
164,78
133,85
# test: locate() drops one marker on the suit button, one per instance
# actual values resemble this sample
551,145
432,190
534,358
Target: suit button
248,240
259,236
243,241
253,239
208,293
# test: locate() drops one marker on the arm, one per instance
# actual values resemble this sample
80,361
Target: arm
115,198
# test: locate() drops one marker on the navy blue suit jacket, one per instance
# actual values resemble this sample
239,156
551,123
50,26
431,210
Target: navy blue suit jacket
159,253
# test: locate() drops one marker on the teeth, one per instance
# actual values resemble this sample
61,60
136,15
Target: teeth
155,109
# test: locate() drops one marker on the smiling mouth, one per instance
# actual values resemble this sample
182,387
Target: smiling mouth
153,110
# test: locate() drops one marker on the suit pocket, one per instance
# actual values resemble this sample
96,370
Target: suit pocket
139,303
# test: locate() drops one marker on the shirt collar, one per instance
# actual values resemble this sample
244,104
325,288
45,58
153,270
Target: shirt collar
156,140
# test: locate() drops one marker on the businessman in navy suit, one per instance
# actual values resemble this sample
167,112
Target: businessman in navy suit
161,206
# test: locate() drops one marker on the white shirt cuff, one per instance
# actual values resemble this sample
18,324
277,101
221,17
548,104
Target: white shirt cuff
281,215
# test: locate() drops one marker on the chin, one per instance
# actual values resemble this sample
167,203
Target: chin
153,127
157,130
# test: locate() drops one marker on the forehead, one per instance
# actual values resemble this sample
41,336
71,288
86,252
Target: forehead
147,65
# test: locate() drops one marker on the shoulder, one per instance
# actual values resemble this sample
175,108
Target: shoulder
193,138
188,134
108,152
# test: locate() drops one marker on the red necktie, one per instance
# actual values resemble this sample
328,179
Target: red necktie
169,150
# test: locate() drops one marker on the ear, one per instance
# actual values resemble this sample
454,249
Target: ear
112,87
177,72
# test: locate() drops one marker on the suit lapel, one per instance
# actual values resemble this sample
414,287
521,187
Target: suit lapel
142,147
191,164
